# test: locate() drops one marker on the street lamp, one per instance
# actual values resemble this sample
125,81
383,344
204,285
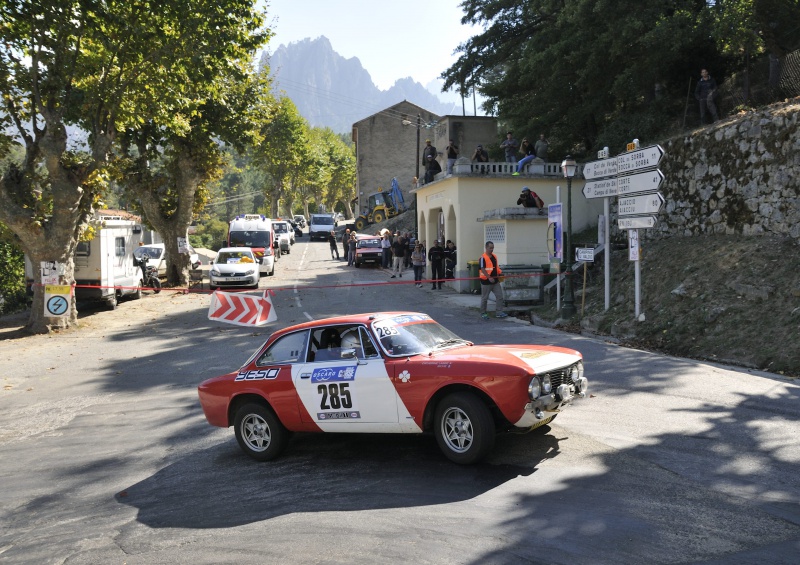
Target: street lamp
569,167
416,218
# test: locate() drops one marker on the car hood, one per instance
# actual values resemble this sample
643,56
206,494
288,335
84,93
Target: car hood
234,267
524,358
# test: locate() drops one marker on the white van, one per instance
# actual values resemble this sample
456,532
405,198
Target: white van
320,226
254,231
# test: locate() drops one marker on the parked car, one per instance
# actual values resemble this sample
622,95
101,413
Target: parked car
156,255
234,267
284,235
390,372
368,250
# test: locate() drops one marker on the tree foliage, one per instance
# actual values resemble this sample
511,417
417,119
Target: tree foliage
589,73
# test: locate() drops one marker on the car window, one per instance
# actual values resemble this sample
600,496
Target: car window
290,348
368,243
411,334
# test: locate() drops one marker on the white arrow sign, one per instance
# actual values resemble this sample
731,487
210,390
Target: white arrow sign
640,159
642,204
649,181
600,188
599,169
633,223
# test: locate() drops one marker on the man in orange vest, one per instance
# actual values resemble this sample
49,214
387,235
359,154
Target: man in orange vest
490,282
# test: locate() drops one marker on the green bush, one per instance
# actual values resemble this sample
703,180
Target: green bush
12,275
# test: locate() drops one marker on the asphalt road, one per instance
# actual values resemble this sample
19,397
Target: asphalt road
105,456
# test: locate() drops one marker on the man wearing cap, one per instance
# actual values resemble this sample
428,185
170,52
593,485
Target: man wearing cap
530,199
428,150
432,168
436,257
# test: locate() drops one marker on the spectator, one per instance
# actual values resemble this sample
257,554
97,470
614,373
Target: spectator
451,151
334,244
398,250
418,261
490,282
351,250
530,199
705,91
428,150
481,156
528,155
386,250
432,168
408,250
345,239
541,148
510,146
436,257
450,259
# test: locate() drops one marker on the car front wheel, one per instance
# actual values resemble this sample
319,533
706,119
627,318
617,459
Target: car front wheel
464,428
259,432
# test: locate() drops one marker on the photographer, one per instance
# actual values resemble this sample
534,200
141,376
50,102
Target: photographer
452,154
481,156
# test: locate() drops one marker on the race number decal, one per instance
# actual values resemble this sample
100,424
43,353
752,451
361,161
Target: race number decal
257,375
385,331
337,401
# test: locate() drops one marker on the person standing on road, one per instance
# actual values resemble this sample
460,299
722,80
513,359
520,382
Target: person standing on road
436,257
418,261
386,250
490,282
345,240
334,244
351,250
398,250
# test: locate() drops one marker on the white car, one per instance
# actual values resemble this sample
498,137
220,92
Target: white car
234,267
157,256
284,234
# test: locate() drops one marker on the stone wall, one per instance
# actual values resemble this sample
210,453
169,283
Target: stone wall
738,176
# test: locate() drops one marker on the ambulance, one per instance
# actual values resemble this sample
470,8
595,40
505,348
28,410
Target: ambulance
256,232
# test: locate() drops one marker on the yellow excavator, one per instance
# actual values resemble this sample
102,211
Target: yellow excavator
380,206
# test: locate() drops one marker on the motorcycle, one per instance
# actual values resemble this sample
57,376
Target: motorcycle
150,278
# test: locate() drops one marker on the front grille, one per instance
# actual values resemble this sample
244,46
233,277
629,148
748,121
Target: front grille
558,377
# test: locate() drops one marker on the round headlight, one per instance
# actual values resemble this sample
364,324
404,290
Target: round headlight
576,372
546,386
534,389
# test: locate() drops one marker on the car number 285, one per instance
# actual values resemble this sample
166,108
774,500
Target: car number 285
334,396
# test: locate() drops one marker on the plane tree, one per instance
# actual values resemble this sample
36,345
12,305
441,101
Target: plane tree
73,75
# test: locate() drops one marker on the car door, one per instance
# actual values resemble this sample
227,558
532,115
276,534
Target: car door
344,389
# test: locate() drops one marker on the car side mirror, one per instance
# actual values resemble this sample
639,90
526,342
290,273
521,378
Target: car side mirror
348,354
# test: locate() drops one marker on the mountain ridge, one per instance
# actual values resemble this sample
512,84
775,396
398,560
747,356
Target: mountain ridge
332,91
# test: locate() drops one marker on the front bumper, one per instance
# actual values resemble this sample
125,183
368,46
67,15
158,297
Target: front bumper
544,408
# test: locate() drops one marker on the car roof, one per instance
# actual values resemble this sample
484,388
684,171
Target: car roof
234,250
365,319
155,245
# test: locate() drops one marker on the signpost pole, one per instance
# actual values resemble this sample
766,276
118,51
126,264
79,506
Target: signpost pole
607,254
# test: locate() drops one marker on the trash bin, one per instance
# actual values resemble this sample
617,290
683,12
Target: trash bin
474,273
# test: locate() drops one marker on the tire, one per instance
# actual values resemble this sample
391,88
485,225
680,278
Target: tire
137,294
212,288
360,224
259,432
358,265
111,303
156,285
464,428
272,272
378,217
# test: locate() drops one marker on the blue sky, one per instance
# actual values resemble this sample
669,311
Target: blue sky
392,39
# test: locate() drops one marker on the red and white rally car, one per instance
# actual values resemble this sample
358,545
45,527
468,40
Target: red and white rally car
390,372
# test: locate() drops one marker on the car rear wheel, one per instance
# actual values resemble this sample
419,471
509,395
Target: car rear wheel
259,432
464,428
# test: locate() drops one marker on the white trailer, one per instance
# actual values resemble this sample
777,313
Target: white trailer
104,266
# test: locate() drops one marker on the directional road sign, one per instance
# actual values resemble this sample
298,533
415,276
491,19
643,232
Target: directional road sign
649,181
636,222
600,188
640,205
600,169
640,159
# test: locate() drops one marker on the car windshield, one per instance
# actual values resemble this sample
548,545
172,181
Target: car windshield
323,220
368,243
235,257
150,252
412,334
281,228
249,239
